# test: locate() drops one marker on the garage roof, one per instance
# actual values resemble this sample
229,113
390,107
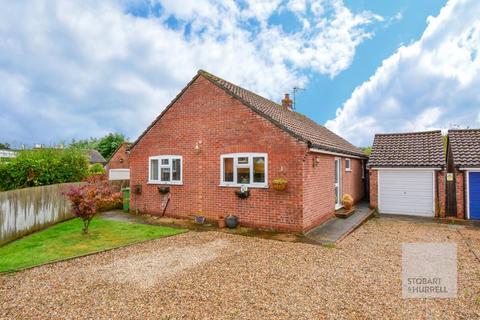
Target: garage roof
415,149
465,146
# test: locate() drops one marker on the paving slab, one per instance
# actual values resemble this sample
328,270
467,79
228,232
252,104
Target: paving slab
335,229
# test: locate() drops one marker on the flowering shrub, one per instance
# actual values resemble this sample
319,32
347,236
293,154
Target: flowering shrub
89,199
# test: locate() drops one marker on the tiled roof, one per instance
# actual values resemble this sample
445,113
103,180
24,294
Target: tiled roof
95,157
417,149
293,122
465,146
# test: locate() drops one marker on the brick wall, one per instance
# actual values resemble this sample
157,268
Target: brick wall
373,176
460,192
120,159
319,190
219,124
441,197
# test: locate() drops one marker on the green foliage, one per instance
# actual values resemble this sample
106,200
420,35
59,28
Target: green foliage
43,167
105,145
109,144
4,146
96,168
367,150
85,144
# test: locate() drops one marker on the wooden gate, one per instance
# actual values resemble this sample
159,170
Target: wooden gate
451,201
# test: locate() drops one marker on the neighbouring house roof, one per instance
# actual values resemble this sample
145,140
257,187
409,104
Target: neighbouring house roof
416,149
127,146
294,123
465,147
95,157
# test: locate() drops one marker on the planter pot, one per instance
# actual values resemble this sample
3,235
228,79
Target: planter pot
231,221
221,222
280,186
164,190
200,219
348,205
242,194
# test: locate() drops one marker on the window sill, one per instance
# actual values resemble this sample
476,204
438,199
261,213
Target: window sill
165,183
246,185
348,170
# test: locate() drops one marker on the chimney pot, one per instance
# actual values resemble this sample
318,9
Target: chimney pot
287,102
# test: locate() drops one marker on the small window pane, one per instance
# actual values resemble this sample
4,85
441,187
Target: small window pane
165,174
258,169
242,160
243,175
176,170
165,162
347,164
154,169
228,169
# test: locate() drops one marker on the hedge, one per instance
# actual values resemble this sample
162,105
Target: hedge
40,167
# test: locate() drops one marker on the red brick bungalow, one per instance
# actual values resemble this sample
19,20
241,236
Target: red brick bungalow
463,162
215,137
407,174
118,166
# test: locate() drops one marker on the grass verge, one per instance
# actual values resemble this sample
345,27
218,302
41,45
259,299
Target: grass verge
66,240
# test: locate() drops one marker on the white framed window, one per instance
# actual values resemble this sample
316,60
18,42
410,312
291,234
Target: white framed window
348,165
363,169
244,169
165,170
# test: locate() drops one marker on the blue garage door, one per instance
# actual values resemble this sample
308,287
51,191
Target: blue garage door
474,195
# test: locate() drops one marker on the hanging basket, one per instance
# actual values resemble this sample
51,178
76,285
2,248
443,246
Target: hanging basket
280,184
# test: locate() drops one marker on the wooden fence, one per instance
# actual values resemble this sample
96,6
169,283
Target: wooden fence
24,211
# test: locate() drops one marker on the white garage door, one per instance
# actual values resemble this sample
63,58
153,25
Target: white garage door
119,174
408,192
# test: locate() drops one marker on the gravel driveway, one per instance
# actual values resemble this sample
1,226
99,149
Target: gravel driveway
210,275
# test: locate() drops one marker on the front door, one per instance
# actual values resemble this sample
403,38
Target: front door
474,195
338,183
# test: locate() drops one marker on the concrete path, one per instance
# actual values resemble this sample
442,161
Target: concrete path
119,215
335,229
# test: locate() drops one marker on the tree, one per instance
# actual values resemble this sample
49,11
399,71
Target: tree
367,150
89,199
4,145
106,145
109,144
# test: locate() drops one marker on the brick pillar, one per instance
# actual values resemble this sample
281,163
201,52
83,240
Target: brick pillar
441,209
460,187
373,175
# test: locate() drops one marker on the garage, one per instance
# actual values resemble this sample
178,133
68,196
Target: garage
407,174
406,192
473,191
119,174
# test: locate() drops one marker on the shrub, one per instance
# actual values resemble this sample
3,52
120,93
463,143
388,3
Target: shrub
43,167
96,168
89,199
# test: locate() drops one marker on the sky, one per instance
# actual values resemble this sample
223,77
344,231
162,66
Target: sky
79,69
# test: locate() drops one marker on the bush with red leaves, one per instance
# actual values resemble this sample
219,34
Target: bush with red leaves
89,199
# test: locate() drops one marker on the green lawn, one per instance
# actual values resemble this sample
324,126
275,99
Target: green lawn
66,240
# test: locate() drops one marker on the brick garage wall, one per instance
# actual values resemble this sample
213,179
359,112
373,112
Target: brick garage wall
319,191
373,176
120,159
460,192
220,124
440,194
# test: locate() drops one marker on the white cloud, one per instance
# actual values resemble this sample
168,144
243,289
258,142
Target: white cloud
433,83
84,68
